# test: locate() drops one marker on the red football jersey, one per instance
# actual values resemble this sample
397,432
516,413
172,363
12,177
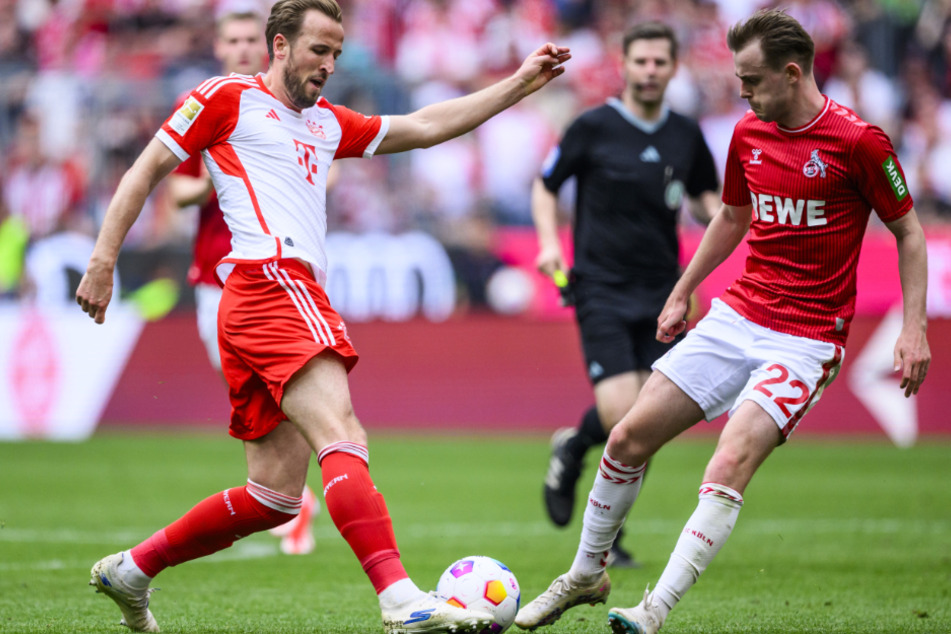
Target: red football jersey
812,190
213,239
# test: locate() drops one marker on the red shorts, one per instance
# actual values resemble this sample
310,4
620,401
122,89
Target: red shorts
272,320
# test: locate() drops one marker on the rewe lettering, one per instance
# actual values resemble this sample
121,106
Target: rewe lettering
788,211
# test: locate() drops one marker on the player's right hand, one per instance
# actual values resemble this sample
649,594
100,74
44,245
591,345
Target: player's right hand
95,292
673,319
912,358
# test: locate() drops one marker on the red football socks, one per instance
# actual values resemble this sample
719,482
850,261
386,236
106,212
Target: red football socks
359,512
214,524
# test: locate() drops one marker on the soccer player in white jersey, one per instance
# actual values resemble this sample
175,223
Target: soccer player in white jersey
240,47
268,141
802,176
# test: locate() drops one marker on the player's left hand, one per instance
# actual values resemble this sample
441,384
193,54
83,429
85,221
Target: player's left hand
912,358
542,66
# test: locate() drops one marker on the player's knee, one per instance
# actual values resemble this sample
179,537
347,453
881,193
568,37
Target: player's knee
732,466
626,445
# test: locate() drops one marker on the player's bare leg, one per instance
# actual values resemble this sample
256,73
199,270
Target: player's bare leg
661,413
317,399
746,441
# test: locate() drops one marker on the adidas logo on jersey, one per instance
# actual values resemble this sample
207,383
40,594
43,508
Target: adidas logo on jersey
650,155
272,115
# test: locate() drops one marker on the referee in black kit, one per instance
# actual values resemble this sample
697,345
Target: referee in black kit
634,160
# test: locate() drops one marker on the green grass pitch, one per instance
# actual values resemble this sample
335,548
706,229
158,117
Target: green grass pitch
836,536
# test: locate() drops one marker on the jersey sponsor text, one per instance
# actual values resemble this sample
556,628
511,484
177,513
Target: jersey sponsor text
787,211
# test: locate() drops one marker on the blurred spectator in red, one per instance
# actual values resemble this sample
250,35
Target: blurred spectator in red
47,194
440,41
507,36
41,195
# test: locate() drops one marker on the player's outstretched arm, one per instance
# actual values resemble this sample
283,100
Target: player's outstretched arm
912,353
95,288
722,236
446,120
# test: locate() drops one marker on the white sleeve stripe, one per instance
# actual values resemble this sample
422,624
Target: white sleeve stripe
308,304
220,82
203,85
172,144
375,143
270,275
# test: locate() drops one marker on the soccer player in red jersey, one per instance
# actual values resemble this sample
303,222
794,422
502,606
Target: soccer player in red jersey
802,177
268,142
240,47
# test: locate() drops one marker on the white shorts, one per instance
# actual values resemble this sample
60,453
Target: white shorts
727,359
207,298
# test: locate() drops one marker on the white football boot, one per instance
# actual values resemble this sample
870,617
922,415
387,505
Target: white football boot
644,618
430,614
559,597
133,603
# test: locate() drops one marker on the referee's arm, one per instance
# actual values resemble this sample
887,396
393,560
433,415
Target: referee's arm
704,207
545,216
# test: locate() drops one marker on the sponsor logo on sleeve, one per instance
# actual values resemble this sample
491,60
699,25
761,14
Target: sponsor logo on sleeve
895,178
185,116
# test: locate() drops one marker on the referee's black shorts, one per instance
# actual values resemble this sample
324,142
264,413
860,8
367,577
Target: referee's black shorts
618,324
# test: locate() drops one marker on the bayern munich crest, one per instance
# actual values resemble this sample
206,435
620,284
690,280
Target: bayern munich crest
316,129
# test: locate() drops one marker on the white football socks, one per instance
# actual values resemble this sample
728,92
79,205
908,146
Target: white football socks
131,574
704,534
615,488
398,593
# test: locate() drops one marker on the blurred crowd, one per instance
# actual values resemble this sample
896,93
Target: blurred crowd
84,84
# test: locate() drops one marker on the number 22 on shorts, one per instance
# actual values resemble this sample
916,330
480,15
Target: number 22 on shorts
782,377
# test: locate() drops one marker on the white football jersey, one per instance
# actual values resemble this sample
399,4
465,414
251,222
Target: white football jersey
269,164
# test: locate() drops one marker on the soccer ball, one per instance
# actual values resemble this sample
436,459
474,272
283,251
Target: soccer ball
482,583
